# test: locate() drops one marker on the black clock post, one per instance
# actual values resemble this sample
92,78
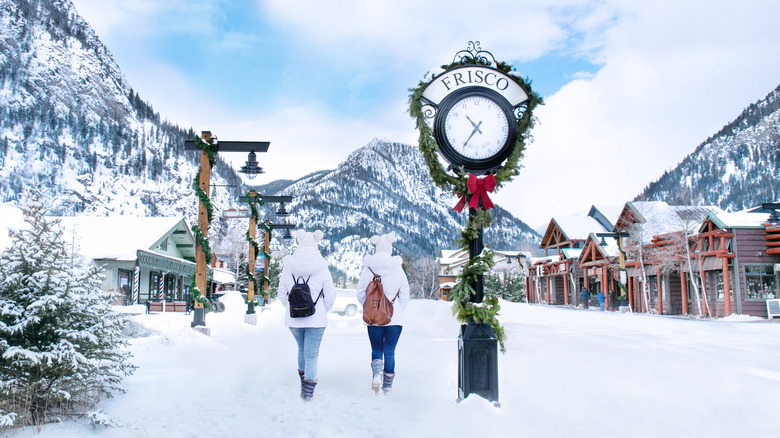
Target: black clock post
474,115
477,342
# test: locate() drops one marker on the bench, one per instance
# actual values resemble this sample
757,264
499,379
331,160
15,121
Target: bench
170,306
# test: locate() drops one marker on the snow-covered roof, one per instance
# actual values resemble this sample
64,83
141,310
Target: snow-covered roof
223,276
552,258
754,217
571,253
610,212
658,217
117,237
577,227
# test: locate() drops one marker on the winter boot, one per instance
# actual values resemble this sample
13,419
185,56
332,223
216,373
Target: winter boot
376,382
300,374
387,383
308,389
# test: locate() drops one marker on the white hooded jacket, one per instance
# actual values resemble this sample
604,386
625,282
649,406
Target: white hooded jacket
313,266
393,282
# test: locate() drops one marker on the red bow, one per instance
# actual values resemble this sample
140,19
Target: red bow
479,189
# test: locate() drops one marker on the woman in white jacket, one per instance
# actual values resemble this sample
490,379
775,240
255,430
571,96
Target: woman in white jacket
307,264
396,288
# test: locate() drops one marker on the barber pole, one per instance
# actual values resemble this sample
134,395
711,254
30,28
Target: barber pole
136,283
162,290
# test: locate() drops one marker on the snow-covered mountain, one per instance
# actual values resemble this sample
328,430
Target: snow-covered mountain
72,124
739,167
385,187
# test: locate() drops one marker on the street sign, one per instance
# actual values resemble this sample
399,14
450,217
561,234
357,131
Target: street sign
236,214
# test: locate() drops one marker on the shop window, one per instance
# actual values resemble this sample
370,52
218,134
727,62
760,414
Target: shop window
717,277
125,285
154,284
760,282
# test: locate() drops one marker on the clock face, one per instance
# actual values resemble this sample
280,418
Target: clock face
476,127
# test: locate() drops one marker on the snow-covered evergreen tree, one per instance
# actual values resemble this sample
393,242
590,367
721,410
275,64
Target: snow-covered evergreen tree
60,340
509,286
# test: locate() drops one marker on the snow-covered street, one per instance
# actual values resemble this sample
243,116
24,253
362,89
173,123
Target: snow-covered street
567,372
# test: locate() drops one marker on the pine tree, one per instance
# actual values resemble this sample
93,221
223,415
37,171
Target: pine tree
60,344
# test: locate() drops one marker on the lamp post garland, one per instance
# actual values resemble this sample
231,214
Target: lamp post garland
255,214
457,183
210,147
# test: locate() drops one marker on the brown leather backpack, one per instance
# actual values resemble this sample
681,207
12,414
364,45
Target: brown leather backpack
377,309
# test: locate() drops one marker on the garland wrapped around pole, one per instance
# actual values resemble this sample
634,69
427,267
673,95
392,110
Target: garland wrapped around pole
210,147
251,200
268,228
457,183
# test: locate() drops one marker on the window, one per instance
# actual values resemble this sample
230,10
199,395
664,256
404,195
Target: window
759,282
716,278
124,286
154,284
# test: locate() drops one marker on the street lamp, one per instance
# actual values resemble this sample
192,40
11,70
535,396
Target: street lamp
204,187
251,169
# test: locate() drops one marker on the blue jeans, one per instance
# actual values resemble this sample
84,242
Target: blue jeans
383,341
308,339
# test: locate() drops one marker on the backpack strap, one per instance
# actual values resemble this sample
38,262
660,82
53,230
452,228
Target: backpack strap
318,297
396,296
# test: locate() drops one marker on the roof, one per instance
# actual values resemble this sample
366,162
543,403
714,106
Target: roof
573,227
119,237
607,215
116,237
754,217
658,217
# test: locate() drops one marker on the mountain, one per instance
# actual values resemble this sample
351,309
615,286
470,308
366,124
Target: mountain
71,124
737,168
384,187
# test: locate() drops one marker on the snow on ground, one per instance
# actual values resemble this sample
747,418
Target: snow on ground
566,373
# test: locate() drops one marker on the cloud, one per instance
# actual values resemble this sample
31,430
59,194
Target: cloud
308,138
666,75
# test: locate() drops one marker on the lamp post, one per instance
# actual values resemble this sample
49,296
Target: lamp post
254,197
209,148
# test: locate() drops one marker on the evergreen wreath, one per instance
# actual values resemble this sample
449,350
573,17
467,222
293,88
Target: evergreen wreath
211,148
455,183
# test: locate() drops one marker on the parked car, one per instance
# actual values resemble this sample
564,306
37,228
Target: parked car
346,303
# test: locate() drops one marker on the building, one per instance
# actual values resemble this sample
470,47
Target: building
160,249
451,263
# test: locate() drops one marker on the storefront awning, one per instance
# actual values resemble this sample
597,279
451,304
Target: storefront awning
159,262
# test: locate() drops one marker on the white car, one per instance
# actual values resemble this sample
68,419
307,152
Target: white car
346,303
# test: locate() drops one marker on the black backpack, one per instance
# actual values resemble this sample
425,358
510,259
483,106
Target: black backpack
301,304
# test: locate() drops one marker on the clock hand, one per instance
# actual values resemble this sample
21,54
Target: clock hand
476,126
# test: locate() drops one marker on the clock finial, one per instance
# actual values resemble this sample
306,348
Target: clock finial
474,54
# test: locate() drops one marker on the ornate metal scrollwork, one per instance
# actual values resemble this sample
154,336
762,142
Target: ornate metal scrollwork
520,110
429,111
474,54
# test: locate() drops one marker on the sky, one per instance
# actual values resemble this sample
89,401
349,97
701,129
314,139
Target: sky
566,372
630,87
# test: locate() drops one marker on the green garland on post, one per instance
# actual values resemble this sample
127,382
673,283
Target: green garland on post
455,183
211,148
268,228
256,216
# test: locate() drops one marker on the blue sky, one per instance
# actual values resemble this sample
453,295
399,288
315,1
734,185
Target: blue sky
631,87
